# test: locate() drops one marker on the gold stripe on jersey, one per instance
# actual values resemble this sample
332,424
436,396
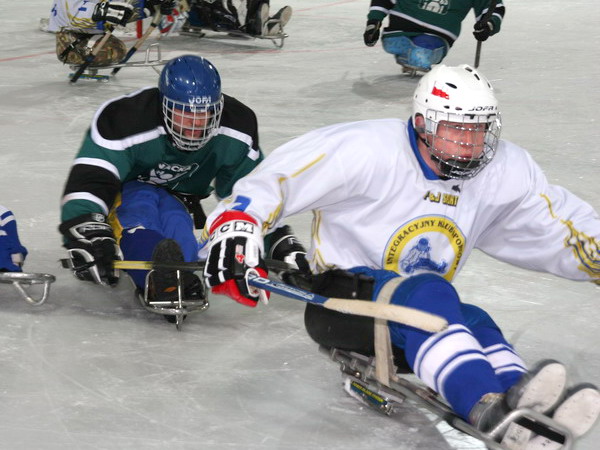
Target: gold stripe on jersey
309,165
586,249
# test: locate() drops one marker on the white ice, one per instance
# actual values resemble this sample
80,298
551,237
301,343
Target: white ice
92,369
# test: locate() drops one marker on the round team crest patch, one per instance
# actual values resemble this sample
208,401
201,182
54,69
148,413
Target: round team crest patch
426,244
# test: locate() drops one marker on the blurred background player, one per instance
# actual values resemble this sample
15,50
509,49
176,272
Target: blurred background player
12,253
420,32
251,17
78,24
443,184
147,161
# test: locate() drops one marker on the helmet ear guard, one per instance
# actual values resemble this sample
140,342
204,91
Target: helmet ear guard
192,102
459,98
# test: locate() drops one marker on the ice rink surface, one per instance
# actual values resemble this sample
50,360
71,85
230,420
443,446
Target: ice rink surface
91,369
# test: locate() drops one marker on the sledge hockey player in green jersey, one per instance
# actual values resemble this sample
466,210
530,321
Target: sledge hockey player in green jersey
77,22
146,162
398,207
420,32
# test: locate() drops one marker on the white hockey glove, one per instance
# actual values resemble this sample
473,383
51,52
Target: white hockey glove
118,13
92,248
235,248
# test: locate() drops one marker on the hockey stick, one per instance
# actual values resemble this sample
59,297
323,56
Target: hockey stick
486,17
402,314
92,56
140,41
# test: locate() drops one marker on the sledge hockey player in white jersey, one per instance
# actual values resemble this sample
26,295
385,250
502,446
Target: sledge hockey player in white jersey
412,200
76,22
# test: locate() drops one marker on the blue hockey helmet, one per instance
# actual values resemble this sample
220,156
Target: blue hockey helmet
192,102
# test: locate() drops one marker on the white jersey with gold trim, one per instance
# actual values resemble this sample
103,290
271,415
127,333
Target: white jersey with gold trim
374,205
74,15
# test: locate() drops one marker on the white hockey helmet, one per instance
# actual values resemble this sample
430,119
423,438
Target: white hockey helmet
460,98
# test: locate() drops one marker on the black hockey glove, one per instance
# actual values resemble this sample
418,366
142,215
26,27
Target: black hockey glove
483,29
286,247
371,34
92,248
166,6
118,13
235,248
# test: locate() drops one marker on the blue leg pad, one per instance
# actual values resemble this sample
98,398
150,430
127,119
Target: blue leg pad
138,246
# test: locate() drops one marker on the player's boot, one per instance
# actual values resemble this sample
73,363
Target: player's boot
488,411
540,389
579,412
274,25
163,284
260,22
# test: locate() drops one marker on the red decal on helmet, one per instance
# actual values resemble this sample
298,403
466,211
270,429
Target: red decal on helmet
440,93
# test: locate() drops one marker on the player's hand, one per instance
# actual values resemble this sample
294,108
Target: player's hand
483,30
116,12
235,246
166,6
92,248
371,34
286,247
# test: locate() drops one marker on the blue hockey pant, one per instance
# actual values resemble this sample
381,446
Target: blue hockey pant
145,215
469,359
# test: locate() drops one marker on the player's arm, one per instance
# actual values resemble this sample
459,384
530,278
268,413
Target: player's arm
544,228
378,11
12,253
487,26
90,191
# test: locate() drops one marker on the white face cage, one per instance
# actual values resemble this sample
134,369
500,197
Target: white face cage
191,127
462,145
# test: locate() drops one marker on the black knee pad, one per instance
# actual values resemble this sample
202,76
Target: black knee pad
344,331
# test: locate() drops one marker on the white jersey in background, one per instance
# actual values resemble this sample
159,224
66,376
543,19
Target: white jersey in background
374,205
74,15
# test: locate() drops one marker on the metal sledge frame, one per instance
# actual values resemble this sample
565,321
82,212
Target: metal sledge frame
178,308
18,279
91,73
278,39
360,370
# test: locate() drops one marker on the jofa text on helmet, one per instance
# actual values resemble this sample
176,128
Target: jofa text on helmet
200,100
484,108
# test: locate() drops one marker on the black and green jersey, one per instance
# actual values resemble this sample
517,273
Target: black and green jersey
438,17
128,141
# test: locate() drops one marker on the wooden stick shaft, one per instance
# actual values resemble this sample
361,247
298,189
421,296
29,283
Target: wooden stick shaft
92,56
140,41
408,316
